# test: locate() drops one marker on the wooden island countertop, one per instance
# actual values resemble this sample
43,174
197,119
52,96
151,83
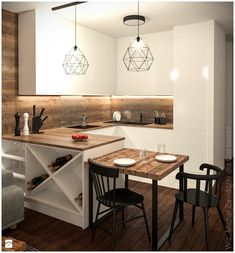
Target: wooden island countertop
61,137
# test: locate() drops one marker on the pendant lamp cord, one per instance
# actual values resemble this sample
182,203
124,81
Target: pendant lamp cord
75,26
138,21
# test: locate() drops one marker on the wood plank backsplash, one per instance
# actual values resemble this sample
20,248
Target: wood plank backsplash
146,105
61,110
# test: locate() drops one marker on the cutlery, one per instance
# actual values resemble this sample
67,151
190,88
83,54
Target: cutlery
34,110
44,118
40,115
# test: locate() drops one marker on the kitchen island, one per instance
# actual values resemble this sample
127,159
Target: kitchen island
29,157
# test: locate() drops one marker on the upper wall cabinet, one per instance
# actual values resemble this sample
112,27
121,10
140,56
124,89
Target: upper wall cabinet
157,80
44,40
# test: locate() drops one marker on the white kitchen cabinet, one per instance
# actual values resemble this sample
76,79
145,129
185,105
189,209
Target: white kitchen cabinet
157,80
199,93
44,39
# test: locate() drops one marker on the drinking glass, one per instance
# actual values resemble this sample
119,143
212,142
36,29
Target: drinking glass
143,154
161,148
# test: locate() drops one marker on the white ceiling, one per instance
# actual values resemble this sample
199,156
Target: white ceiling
106,17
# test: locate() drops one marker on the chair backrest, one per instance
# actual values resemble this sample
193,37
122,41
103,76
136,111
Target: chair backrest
104,180
209,179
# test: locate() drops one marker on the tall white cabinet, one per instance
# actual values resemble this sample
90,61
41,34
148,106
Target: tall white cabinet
199,93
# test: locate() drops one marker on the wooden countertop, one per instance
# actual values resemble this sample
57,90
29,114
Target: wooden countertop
148,167
61,137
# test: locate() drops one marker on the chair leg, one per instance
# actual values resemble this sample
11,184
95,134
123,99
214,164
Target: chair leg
193,215
221,216
145,220
173,219
123,216
205,211
96,219
114,229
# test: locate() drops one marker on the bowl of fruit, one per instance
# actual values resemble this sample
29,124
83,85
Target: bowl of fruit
80,137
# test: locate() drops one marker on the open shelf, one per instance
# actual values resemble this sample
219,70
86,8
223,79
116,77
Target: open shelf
15,166
46,155
59,200
61,187
70,179
13,149
70,165
13,159
13,156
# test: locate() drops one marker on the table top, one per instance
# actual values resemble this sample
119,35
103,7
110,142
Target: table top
148,167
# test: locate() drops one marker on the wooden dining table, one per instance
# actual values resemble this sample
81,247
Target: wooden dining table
146,167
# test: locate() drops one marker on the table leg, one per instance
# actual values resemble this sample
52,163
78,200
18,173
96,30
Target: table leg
181,206
90,201
154,215
126,181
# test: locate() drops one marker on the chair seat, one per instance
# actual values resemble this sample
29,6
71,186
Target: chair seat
123,197
191,198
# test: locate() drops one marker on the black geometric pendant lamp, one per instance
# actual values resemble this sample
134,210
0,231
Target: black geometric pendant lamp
75,62
138,56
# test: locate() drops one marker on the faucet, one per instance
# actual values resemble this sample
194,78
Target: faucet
141,117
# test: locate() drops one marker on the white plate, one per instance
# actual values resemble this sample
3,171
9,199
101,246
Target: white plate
117,116
124,162
166,158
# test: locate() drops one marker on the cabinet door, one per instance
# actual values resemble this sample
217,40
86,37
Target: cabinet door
157,80
44,40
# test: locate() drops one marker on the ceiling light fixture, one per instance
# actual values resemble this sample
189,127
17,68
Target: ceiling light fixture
75,62
138,56
134,20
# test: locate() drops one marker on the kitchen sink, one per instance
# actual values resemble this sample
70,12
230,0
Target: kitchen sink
128,122
82,127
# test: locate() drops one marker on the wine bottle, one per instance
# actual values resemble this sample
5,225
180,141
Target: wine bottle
36,181
60,161
79,199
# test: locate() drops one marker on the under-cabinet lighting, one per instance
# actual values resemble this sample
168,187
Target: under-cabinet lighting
139,97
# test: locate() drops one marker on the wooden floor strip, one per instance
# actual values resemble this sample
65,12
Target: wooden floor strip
46,233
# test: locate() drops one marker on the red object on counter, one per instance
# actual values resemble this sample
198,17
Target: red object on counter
79,136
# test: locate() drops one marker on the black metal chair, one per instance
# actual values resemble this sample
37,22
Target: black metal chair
104,181
206,199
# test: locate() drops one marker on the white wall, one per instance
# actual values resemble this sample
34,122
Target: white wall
157,80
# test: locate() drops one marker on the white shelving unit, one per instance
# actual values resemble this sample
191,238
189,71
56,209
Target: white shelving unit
56,194
13,159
